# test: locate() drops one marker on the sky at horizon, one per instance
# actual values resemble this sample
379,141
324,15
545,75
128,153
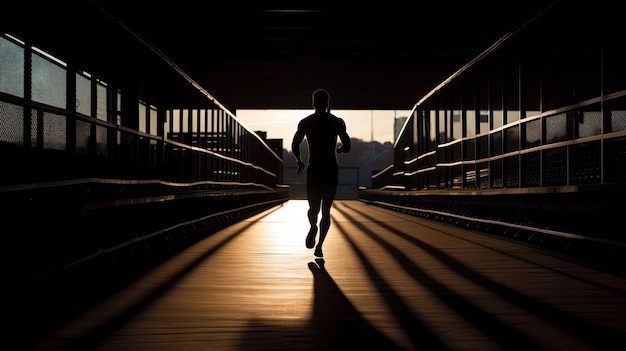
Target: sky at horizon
367,125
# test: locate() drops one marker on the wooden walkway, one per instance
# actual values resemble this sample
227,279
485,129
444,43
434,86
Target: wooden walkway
388,281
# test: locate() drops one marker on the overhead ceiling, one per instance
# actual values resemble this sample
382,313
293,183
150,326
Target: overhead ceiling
273,54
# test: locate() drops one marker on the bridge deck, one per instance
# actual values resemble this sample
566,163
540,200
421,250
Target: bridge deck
388,281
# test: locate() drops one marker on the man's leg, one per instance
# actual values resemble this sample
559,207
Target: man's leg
314,199
327,203
314,209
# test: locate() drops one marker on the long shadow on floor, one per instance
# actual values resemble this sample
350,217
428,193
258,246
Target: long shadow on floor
335,324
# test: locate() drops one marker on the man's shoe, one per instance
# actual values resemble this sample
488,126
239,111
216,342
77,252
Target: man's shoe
310,238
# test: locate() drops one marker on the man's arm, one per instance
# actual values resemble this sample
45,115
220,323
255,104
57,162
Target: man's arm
295,148
345,139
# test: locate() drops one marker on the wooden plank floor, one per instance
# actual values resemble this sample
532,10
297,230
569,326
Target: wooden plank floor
388,281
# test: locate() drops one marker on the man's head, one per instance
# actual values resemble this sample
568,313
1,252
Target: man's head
321,99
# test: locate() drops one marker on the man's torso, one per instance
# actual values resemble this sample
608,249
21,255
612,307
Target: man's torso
321,131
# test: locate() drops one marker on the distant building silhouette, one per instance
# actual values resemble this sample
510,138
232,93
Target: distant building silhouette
398,123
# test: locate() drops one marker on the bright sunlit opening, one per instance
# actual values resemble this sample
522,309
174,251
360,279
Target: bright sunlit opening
367,125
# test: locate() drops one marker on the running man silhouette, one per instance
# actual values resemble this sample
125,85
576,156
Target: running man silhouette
321,130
